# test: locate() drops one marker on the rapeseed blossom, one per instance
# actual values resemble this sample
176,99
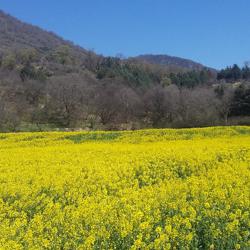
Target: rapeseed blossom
148,189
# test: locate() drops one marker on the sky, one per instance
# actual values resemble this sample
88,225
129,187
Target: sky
215,33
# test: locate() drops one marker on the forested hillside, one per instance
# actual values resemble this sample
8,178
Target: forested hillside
166,60
47,82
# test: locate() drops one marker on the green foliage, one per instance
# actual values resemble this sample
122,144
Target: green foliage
191,79
131,72
241,102
246,72
9,61
234,73
63,55
166,81
30,72
93,136
27,56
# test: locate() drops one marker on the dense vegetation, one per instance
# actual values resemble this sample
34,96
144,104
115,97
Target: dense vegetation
151,189
234,73
46,83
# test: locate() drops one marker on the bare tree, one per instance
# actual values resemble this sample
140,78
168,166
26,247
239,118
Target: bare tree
64,99
106,103
129,104
157,106
225,97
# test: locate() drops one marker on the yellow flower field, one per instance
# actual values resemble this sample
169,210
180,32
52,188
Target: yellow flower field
149,189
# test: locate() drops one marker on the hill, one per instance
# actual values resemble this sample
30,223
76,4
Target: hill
166,60
15,35
47,82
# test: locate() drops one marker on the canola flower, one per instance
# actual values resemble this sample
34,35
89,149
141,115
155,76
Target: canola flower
148,189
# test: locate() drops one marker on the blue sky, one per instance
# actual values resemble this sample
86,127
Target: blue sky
213,32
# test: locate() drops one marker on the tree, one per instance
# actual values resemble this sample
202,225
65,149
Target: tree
64,99
166,81
241,101
246,72
9,61
63,55
156,104
106,103
224,103
27,56
236,72
91,61
9,116
232,74
128,103
2,113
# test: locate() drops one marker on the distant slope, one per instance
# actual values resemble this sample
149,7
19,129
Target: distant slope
165,60
15,34
57,56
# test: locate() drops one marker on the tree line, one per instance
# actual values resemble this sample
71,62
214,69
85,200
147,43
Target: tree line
41,91
234,73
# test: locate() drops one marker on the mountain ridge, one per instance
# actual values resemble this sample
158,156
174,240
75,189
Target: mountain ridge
167,60
47,82
16,34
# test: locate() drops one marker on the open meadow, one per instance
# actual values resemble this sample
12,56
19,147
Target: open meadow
147,189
